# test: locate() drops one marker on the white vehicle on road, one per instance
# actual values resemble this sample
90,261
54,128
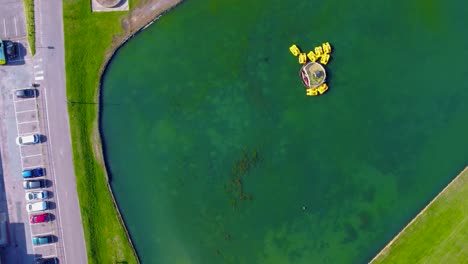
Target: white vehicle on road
38,195
37,207
28,140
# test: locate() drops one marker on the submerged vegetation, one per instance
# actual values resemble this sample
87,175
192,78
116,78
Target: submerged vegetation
241,168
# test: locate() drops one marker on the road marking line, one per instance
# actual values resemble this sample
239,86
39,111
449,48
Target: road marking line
44,245
43,234
26,134
27,122
52,169
39,72
4,27
25,100
29,156
37,66
39,78
18,38
16,28
32,167
25,111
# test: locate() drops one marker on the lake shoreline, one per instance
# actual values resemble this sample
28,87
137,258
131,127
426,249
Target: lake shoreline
138,20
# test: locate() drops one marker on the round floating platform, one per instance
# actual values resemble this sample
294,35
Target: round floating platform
313,74
108,3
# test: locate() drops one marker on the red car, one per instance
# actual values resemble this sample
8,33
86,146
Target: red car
40,218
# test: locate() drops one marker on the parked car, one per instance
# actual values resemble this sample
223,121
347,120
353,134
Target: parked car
38,195
37,207
34,184
37,172
40,218
46,261
26,93
28,140
2,53
11,49
41,240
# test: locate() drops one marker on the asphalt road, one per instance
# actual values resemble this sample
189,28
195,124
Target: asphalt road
50,52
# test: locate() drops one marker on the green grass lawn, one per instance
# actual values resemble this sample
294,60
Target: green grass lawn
30,24
87,37
439,235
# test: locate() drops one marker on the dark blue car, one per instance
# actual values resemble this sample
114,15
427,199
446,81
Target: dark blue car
37,172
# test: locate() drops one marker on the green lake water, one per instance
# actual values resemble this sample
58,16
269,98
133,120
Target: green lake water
218,156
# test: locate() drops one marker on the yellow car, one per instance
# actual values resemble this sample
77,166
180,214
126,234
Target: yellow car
318,51
302,58
312,92
322,88
311,56
326,48
294,50
324,59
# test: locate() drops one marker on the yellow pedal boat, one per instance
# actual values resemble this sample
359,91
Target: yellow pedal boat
326,48
312,92
318,51
311,56
302,58
294,50
322,88
325,58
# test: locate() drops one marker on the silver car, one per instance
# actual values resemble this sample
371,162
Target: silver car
38,195
37,207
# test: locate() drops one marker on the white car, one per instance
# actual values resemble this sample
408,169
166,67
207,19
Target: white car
38,195
28,140
37,207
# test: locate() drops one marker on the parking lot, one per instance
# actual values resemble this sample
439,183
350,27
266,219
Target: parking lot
22,117
12,23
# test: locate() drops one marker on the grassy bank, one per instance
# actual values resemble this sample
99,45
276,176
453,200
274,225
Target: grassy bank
437,235
87,37
30,24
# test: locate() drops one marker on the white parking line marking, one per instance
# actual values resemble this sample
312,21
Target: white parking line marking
44,245
25,111
4,27
29,156
26,134
27,122
44,234
32,167
16,28
25,100
39,78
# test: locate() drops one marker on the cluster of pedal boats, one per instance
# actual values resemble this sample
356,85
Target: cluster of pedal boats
320,52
